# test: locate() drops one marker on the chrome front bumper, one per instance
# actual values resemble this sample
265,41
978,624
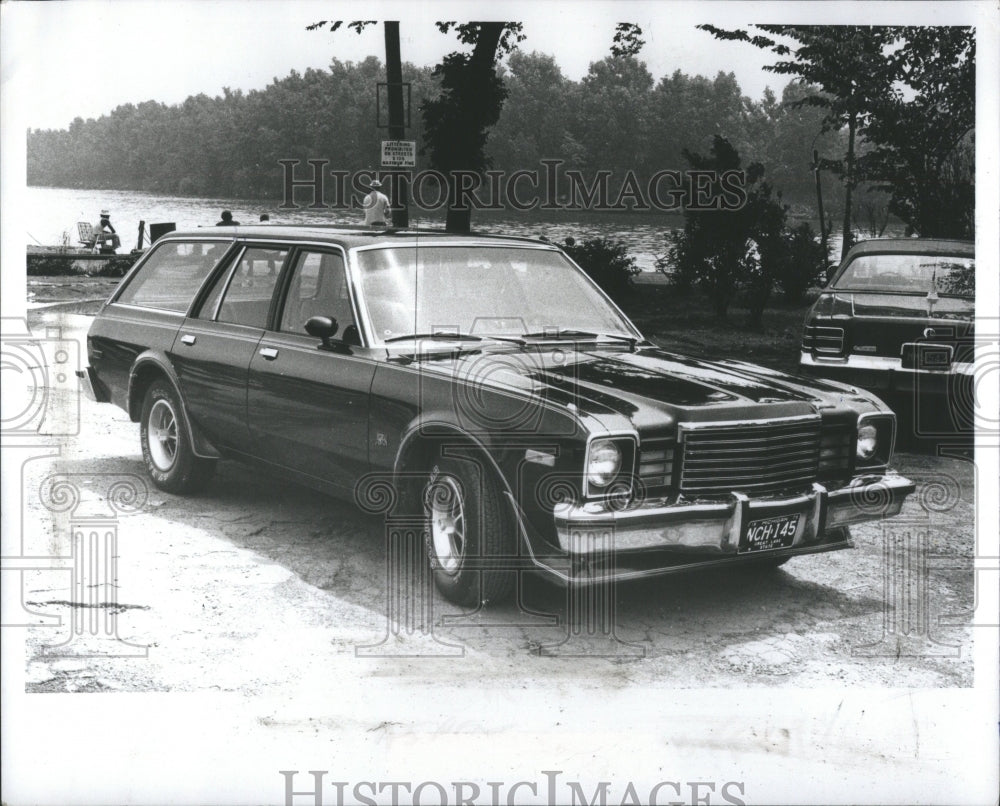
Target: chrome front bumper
717,527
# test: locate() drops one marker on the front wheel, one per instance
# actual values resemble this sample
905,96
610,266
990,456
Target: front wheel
470,533
166,447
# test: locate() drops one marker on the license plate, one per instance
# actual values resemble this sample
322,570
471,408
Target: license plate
927,356
769,533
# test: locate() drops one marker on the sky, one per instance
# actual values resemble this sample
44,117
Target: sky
61,60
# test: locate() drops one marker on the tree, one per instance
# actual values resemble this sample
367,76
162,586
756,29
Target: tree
628,40
687,111
725,250
922,133
456,123
847,64
613,113
533,121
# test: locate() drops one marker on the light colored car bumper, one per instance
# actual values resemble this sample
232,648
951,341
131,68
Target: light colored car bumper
884,374
717,527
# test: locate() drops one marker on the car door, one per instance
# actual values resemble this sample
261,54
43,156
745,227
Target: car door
308,402
213,347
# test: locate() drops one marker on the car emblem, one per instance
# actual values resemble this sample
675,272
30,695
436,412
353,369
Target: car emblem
929,333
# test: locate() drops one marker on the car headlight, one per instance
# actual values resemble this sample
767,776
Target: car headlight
867,441
603,462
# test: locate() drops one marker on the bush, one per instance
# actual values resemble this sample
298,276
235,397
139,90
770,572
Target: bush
677,265
801,265
728,251
607,261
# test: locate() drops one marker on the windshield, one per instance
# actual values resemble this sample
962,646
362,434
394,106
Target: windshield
919,274
480,291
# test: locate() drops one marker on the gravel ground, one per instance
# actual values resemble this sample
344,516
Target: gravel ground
218,592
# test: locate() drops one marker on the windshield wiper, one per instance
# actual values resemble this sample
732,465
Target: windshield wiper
580,335
443,335
557,333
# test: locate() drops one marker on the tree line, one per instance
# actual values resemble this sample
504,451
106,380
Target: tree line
617,118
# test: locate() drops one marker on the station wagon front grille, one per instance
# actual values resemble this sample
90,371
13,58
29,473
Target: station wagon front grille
750,458
656,462
823,340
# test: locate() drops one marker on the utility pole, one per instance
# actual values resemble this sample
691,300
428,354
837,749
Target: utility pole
397,127
819,205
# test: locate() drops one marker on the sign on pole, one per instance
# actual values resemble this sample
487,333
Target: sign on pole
399,153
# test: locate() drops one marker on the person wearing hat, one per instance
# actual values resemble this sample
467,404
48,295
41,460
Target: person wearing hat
376,205
105,236
227,220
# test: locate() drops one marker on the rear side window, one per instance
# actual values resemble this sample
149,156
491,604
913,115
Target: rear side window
172,275
247,297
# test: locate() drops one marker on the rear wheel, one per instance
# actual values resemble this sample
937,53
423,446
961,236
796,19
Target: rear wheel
470,533
166,447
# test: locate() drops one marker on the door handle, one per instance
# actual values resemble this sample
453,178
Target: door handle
269,353
188,339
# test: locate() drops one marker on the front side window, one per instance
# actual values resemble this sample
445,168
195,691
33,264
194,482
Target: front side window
480,290
251,283
318,287
172,275
913,273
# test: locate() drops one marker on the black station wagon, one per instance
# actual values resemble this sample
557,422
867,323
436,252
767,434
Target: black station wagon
522,419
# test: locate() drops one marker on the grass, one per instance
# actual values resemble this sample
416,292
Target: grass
688,324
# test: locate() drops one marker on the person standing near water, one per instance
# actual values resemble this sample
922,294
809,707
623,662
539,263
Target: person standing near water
376,204
227,220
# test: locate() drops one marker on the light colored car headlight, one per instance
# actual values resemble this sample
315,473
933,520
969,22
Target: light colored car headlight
867,441
603,462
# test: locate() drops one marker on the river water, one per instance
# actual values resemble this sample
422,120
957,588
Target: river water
52,215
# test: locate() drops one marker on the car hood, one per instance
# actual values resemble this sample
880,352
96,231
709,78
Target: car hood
651,387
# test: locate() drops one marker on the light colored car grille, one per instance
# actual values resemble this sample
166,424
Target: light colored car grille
751,458
823,340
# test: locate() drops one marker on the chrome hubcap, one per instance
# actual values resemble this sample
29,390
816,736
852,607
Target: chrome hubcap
162,435
447,523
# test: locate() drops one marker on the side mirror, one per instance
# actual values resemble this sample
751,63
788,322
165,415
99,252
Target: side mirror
322,327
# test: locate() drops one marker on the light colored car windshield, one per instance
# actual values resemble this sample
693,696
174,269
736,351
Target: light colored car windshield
910,273
480,291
